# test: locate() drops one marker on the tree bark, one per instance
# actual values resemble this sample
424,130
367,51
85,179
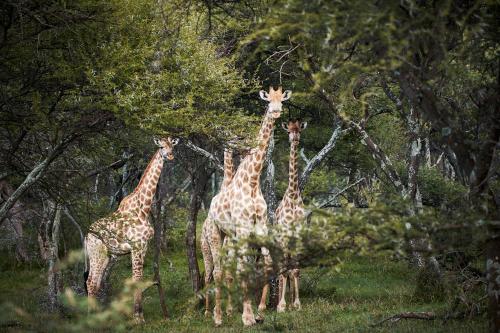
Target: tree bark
35,174
54,274
16,219
316,160
158,232
493,277
382,159
272,204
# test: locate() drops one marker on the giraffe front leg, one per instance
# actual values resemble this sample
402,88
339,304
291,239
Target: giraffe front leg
229,283
215,242
209,268
268,263
282,302
265,290
98,261
248,316
137,272
229,276
295,277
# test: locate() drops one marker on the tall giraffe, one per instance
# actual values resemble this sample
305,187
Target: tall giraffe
240,209
208,229
127,230
291,211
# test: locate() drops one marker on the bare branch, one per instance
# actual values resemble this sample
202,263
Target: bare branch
408,315
303,156
324,204
205,153
316,160
114,165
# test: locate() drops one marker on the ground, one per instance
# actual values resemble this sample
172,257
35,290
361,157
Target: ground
362,293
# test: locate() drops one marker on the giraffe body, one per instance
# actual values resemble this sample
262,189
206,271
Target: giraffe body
240,209
289,213
128,230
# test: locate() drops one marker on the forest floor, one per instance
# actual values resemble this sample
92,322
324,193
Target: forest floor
364,292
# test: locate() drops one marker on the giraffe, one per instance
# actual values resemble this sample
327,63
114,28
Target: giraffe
290,211
240,210
128,229
208,229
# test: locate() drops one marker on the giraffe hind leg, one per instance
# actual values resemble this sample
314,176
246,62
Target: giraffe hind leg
209,268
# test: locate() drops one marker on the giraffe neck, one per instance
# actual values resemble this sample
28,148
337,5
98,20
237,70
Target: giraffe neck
293,179
146,188
228,167
263,139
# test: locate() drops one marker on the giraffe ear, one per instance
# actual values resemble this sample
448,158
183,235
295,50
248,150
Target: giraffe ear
175,141
157,142
284,126
303,125
286,95
264,95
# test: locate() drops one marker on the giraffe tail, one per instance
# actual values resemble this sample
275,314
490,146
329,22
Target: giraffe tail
86,272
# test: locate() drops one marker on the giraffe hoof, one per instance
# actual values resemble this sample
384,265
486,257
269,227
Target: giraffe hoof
297,306
259,319
139,319
281,307
218,319
248,320
207,314
229,312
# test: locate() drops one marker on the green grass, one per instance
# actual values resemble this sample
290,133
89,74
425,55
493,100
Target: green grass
362,293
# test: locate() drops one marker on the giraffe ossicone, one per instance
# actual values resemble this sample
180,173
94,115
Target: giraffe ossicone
128,229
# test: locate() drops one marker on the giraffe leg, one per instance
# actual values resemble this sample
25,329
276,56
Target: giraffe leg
98,260
215,248
295,277
137,272
265,290
229,278
209,268
247,317
282,303
262,226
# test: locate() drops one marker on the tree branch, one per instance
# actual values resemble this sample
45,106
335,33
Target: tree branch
205,153
316,160
324,204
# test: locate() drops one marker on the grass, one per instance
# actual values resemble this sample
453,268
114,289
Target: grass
361,294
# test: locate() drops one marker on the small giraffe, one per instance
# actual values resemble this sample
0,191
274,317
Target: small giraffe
289,212
128,229
207,231
240,210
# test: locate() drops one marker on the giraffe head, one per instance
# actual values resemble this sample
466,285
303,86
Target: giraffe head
275,99
294,127
166,147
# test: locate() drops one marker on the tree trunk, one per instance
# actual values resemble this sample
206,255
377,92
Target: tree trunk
316,160
54,274
382,159
493,277
158,232
272,204
199,182
35,174
16,220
